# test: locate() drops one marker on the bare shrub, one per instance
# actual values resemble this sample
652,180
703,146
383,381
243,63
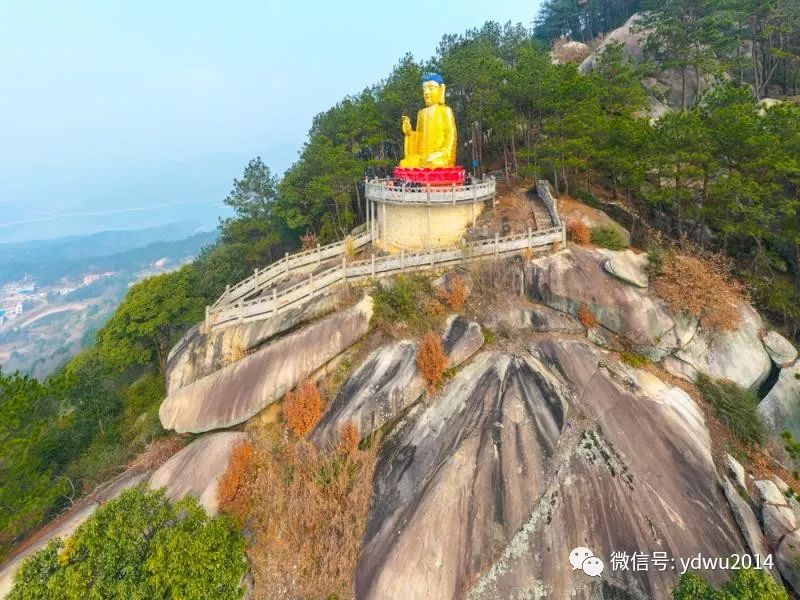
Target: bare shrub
454,293
309,241
431,360
586,316
307,511
302,408
349,247
349,438
579,232
236,352
228,497
702,288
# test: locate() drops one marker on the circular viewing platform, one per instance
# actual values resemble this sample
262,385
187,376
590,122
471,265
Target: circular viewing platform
412,216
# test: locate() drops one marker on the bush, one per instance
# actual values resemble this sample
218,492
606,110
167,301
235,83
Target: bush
701,288
586,317
408,300
302,408
307,511
791,445
349,438
228,497
139,546
454,293
609,237
578,232
745,584
735,406
637,361
431,360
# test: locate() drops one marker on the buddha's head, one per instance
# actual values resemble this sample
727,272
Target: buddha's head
433,89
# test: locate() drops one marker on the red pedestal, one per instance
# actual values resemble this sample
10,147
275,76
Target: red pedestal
442,176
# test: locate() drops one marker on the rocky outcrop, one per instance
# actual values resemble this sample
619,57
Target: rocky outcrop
196,470
780,408
537,318
780,350
239,391
628,267
527,454
199,354
781,519
736,355
389,381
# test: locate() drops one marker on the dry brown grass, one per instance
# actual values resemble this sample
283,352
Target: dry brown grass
228,497
307,511
349,438
579,232
349,247
586,316
454,293
309,241
302,408
702,288
236,352
431,360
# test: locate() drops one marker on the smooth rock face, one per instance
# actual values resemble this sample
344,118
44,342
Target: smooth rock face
746,519
780,350
780,408
389,382
736,470
538,318
736,355
566,280
483,491
462,338
198,354
197,469
781,521
239,391
629,267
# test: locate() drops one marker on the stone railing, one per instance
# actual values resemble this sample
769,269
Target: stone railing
242,311
384,190
283,267
546,194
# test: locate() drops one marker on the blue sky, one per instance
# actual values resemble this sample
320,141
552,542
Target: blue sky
124,115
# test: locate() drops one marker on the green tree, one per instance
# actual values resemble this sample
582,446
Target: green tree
746,584
139,546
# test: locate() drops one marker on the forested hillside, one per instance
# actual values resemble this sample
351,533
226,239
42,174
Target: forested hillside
723,174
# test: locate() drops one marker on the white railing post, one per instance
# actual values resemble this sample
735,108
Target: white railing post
402,260
496,244
319,253
373,266
255,278
428,191
431,250
286,259
274,301
454,193
344,267
530,238
239,308
311,284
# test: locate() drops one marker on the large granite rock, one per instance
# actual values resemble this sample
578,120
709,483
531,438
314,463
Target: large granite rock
747,521
780,350
197,469
389,381
485,491
566,280
735,355
239,391
537,318
780,408
781,519
628,266
198,354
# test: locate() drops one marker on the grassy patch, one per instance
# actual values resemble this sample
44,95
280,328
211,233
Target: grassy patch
407,301
633,359
609,237
735,406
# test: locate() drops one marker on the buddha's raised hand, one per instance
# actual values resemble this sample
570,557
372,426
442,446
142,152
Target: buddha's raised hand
407,129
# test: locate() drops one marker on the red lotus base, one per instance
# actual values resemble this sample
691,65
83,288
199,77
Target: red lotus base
442,176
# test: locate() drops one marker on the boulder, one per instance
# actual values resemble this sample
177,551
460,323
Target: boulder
524,455
389,381
199,354
746,519
198,468
462,338
568,279
569,53
629,267
239,391
780,408
780,350
735,355
736,470
787,559
770,493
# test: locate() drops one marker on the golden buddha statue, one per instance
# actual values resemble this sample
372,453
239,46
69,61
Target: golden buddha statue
433,144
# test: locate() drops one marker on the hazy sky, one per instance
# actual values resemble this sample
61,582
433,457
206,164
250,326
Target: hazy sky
122,115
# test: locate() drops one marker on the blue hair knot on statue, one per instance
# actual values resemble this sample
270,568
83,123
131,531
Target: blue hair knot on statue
433,77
